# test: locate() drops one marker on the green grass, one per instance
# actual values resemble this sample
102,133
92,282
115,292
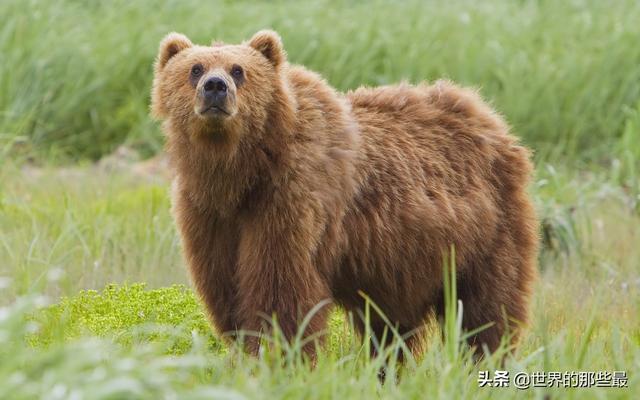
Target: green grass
75,76
94,297
117,311
134,314
89,225
147,341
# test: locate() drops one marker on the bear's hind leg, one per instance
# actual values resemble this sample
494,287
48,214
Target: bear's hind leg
496,296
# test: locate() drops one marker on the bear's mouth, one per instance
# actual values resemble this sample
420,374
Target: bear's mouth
214,110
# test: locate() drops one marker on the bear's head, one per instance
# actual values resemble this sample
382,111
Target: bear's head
208,90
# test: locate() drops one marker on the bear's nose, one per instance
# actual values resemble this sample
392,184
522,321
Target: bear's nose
215,86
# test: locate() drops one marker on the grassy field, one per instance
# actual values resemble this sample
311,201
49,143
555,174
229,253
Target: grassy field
75,75
66,230
94,296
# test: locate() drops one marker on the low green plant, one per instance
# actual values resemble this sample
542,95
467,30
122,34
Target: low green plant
129,314
133,314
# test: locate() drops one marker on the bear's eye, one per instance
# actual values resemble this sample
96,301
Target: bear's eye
196,70
236,71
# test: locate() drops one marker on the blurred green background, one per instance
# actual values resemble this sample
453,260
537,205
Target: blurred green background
75,75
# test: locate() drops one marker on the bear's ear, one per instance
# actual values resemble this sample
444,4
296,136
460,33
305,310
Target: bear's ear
270,45
171,45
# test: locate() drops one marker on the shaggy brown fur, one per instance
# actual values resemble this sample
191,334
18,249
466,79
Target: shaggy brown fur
291,193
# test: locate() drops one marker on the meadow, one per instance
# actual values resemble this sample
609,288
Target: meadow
94,297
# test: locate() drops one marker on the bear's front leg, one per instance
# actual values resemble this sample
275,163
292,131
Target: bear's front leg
210,244
276,277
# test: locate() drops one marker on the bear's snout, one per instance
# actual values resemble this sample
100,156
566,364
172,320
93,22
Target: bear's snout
215,89
213,98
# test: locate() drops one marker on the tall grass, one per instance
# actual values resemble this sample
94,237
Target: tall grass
128,355
75,76
86,225
57,224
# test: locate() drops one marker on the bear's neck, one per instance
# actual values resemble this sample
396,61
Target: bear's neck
225,172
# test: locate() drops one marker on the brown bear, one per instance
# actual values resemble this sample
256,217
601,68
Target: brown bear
287,193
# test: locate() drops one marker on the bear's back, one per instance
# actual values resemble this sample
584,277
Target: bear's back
440,134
